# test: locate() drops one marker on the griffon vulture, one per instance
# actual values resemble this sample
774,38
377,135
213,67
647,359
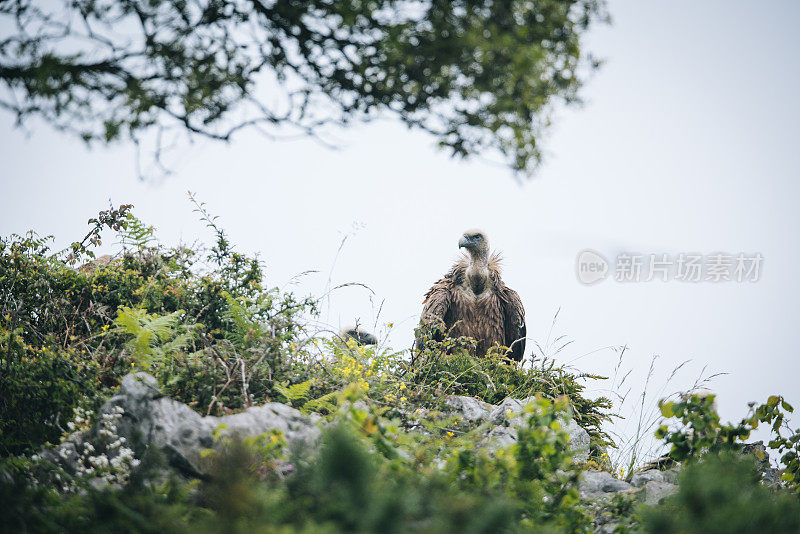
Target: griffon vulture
472,300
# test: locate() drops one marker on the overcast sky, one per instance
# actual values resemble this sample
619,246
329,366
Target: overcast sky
687,143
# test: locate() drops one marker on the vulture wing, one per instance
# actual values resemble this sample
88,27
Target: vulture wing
439,298
437,303
514,321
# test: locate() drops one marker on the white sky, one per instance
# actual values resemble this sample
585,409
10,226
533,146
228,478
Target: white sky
687,143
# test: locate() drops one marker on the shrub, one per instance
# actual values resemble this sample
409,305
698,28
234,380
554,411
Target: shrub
700,432
212,334
448,367
723,494
41,387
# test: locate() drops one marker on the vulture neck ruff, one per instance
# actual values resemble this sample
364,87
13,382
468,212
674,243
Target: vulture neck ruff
477,274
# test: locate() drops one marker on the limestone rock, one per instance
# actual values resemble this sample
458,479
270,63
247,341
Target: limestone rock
470,408
638,480
507,416
182,434
600,484
654,492
506,410
146,418
500,437
578,440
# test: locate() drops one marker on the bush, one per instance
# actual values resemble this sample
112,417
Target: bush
701,433
219,338
448,367
723,494
41,387
208,329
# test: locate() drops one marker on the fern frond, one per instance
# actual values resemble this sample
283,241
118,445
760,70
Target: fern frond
131,321
295,392
136,233
324,404
151,334
180,342
163,326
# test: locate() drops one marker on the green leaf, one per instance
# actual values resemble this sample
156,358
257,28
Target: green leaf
295,392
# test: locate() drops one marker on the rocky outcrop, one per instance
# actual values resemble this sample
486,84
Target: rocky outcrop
650,487
471,409
504,418
139,417
598,489
600,484
146,417
140,414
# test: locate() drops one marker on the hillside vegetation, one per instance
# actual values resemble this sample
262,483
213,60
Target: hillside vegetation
216,336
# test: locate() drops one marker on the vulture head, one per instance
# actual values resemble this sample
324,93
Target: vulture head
475,242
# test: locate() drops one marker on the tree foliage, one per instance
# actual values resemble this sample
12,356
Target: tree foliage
477,74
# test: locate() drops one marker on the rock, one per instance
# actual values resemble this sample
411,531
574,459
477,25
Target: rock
654,492
508,415
296,427
64,455
506,410
650,487
182,434
600,484
578,441
608,528
500,437
671,475
640,479
145,418
96,264
470,408
139,386
769,475
99,483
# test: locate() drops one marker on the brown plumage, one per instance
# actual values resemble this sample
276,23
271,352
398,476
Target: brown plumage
472,300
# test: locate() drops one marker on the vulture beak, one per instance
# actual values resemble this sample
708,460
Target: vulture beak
464,242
